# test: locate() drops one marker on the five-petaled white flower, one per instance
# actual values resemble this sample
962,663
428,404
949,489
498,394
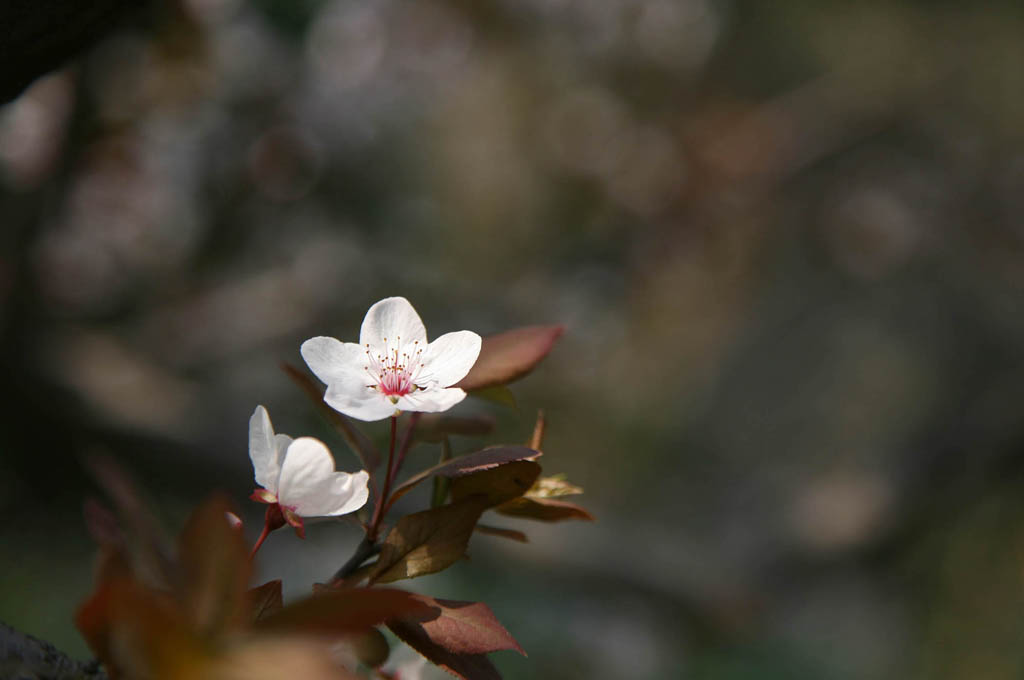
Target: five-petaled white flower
393,368
298,475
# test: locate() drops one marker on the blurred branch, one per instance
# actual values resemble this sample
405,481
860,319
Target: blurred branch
23,656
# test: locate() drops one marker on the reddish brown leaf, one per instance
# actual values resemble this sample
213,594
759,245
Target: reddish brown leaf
214,569
508,356
544,509
485,459
434,427
264,600
343,611
511,534
427,541
353,436
497,485
456,636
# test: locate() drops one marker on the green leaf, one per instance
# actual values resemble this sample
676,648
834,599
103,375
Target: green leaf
498,485
214,568
484,459
506,357
427,541
457,636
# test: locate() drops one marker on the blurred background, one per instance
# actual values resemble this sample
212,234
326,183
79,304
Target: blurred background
787,240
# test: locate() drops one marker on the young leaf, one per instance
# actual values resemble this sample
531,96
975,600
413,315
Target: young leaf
537,438
491,457
508,356
435,427
349,610
264,600
353,436
544,509
498,485
511,534
214,569
427,541
456,636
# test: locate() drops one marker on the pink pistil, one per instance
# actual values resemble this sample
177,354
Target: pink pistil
394,371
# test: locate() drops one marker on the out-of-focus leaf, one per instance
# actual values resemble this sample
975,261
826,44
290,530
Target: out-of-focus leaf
508,356
511,534
264,600
342,611
485,459
136,631
427,541
370,647
275,658
435,427
146,540
497,485
497,394
353,436
214,569
544,509
102,524
457,636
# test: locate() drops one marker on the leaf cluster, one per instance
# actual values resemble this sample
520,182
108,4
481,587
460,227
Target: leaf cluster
184,609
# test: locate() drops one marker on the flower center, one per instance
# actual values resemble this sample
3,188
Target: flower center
394,370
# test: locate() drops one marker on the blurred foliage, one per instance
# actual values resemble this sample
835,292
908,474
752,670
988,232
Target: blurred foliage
785,241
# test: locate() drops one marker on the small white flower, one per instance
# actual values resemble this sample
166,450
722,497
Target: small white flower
299,475
393,368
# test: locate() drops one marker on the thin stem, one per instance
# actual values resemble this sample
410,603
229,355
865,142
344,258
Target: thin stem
259,541
404,448
378,511
365,550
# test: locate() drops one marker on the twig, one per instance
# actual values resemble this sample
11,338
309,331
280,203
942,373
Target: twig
23,656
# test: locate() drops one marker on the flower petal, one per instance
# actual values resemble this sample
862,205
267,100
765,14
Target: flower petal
331,359
263,450
393,318
431,400
449,358
310,486
359,401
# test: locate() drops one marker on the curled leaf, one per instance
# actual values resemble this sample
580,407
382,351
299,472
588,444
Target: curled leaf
506,357
544,509
485,459
497,485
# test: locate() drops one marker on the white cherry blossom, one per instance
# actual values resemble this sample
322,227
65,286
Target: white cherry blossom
299,475
393,368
